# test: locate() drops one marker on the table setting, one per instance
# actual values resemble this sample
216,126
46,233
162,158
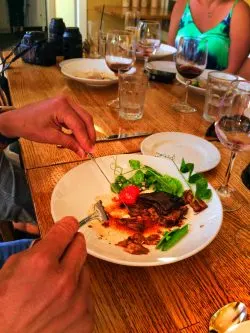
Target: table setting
204,267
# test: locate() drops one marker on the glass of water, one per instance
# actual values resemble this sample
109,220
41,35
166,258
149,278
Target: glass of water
218,83
132,91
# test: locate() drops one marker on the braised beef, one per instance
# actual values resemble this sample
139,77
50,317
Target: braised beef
162,202
197,205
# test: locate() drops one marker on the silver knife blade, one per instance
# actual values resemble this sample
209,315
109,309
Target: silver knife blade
123,136
93,159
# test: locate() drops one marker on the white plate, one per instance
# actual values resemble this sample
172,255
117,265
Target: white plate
204,76
77,191
163,51
200,91
193,149
65,62
240,328
70,69
164,66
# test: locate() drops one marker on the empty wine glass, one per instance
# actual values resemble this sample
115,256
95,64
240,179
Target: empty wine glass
120,54
191,60
233,130
131,21
149,38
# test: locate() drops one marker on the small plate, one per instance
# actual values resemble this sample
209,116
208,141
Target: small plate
203,76
163,51
163,66
193,149
72,67
240,328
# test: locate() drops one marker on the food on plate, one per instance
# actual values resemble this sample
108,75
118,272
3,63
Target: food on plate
95,75
148,208
199,83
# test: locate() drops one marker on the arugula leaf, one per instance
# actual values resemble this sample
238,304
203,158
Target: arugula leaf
135,164
169,239
137,178
115,188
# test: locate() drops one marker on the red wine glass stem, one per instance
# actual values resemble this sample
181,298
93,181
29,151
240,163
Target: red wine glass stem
186,91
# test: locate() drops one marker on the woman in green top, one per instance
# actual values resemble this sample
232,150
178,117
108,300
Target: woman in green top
224,23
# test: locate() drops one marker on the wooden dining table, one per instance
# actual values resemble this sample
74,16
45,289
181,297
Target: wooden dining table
178,297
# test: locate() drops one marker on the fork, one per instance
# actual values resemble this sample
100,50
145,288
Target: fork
98,214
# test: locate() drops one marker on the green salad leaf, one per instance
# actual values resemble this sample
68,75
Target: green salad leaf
170,238
202,191
146,177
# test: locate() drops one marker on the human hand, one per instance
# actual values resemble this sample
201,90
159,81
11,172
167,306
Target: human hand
43,121
47,288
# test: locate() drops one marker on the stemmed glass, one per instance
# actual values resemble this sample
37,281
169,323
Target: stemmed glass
233,130
191,60
149,39
120,54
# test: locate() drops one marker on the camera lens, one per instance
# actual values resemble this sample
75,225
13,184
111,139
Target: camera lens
56,30
72,43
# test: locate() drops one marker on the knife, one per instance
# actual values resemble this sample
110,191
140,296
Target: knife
123,136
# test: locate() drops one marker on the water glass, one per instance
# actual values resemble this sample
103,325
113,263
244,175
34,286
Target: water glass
132,90
96,39
218,83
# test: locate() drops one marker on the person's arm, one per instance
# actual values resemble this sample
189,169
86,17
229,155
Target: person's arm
245,70
47,287
239,37
43,122
175,20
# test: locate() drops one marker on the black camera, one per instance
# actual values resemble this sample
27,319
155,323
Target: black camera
34,48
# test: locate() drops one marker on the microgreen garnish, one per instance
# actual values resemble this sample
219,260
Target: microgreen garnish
145,177
202,191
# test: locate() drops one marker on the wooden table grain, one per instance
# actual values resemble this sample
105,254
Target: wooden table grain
173,298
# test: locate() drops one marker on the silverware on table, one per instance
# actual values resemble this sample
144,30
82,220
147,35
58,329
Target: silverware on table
123,136
227,316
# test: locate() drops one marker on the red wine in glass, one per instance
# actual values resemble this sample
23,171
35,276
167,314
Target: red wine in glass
191,60
188,71
115,65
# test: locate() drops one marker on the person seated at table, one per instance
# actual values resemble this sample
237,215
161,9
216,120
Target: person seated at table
50,116
244,71
46,288
223,23
15,198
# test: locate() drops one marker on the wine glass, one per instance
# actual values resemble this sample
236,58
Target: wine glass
191,60
149,39
120,54
233,130
131,21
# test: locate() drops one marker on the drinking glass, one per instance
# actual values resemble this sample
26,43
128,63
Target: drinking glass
233,130
120,54
191,60
149,38
131,21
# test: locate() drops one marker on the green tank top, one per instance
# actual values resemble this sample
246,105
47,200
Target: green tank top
217,37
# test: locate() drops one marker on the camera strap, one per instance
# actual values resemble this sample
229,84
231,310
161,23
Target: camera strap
17,56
